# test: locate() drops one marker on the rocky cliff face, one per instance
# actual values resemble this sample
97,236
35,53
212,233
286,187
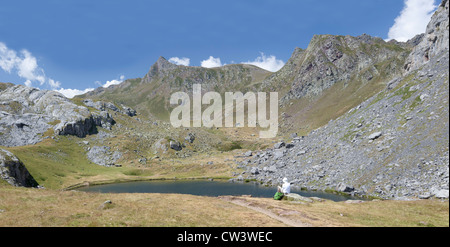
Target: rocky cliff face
13,171
434,41
331,59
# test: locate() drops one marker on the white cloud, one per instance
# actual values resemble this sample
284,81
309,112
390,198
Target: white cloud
112,82
25,65
28,68
211,62
8,58
53,84
70,93
413,19
180,61
270,63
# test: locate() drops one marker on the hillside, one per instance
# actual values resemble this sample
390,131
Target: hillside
331,76
393,145
150,95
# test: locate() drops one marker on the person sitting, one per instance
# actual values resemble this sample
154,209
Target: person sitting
286,187
283,190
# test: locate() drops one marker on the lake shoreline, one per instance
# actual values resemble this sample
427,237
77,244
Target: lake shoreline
214,187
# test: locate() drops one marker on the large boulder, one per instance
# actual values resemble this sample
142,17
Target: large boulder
297,198
341,187
13,171
175,146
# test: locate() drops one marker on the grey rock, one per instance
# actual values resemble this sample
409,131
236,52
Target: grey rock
277,154
354,201
297,198
106,205
160,146
128,111
13,171
190,138
102,155
434,41
271,169
375,135
442,194
26,113
254,171
175,145
104,106
290,145
279,145
425,196
341,187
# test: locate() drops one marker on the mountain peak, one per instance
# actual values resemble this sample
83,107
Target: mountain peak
160,66
161,59
435,40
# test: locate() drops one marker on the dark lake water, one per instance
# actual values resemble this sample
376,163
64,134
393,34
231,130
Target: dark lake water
203,188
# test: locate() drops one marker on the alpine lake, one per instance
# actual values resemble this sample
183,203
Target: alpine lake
204,187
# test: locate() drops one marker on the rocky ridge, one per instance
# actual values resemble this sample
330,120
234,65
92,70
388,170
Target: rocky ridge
13,171
27,113
330,59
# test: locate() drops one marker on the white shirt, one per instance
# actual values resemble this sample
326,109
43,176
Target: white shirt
286,189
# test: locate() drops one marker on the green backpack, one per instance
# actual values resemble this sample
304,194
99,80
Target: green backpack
278,196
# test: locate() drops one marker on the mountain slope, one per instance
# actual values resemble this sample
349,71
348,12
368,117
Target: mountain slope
150,95
333,75
393,145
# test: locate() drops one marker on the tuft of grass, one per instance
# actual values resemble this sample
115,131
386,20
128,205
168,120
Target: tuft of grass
229,146
58,163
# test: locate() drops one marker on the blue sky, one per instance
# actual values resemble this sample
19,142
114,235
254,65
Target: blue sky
84,44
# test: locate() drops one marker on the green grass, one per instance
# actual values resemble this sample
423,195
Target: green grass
55,164
229,146
417,101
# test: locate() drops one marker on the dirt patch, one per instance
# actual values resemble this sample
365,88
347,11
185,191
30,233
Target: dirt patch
276,213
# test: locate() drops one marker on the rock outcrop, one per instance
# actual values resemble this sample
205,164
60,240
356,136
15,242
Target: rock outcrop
13,171
330,59
27,113
434,41
102,155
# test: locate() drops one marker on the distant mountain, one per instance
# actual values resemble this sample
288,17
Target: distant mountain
150,95
334,74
